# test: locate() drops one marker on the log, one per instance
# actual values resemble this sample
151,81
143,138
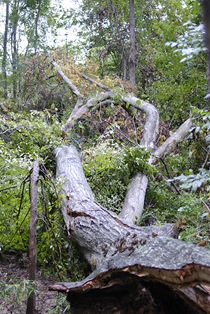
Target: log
135,269
116,249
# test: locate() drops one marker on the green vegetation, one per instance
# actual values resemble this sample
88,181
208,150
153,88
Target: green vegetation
171,74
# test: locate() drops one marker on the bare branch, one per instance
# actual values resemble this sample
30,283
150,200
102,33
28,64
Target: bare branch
170,144
134,201
67,80
151,127
2,106
95,82
31,303
133,206
79,111
82,214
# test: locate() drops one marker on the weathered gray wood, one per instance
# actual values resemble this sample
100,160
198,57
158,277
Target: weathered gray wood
119,252
83,108
94,228
104,236
133,206
134,201
170,144
151,127
113,247
67,80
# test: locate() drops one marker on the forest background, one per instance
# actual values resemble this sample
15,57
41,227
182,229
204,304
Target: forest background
170,71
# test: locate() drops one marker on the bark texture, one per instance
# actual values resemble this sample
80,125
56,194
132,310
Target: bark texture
121,253
132,55
31,304
206,19
5,42
148,261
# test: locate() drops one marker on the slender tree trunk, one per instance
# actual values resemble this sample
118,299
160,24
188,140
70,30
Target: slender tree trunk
4,59
31,304
206,19
36,36
123,49
206,16
14,48
132,57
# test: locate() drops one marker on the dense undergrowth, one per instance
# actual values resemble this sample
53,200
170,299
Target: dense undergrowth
108,140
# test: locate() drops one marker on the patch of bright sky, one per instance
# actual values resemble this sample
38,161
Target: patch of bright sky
66,34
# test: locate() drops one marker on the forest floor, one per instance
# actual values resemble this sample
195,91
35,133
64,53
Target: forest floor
13,296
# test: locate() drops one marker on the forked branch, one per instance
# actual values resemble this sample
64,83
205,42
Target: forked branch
134,201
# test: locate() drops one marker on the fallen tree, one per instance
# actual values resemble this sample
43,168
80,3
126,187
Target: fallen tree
135,269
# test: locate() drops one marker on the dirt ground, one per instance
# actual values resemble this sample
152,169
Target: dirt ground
13,299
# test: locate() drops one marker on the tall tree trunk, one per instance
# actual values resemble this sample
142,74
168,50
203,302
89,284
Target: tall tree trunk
132,56
14,47
31,303
123,49
206,19
36,36
4,59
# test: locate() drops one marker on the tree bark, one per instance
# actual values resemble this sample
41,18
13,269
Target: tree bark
121,254
36,36
4,59
122,43
14,47
132,56
31,304
206,19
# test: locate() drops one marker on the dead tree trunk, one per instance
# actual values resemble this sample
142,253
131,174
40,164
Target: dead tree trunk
135,269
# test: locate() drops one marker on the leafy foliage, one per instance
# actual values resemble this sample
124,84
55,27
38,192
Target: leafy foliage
194,182
109,168
107,175
171,73
17,292
26,137
191,42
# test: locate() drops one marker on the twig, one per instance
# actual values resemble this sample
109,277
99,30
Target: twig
206,159
67,80
11,187
22,194
169,176
95,82
3,107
